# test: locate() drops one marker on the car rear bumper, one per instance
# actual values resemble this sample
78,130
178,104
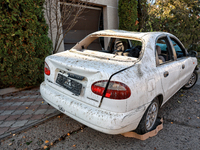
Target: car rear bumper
94,117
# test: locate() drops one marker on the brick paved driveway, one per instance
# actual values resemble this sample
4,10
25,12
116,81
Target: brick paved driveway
21,110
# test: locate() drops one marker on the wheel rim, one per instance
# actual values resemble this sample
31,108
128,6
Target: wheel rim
191,81
151,116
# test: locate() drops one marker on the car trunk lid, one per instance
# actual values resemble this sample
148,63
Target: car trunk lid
74,72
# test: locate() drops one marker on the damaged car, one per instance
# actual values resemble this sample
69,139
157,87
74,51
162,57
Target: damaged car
115,81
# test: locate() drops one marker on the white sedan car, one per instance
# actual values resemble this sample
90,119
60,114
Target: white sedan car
115,81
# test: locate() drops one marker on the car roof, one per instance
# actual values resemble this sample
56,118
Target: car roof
126,34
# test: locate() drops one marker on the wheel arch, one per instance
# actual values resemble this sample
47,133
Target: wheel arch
196,68
160,99
142,128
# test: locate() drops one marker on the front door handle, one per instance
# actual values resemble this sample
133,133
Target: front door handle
166,73
183,66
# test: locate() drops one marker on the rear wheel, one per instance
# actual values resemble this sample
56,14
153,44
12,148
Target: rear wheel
148,120
192,81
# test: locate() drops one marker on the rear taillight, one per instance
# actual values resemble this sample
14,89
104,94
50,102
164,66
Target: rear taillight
46,69
115,90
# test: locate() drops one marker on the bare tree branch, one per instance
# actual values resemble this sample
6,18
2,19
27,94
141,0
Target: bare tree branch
62,13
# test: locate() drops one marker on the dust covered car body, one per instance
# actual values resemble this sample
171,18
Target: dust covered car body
118,87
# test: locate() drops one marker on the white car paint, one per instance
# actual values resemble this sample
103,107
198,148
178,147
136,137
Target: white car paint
143,76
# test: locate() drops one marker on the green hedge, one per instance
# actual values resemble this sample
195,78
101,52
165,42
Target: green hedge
24,43
127,10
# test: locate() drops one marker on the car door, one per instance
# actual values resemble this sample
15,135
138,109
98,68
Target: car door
168,67
183,60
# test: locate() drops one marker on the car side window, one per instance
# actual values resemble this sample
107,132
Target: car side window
163,51
180,51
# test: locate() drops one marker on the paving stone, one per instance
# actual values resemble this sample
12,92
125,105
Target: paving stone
28,112
21,94
7,104
37,93
44,107
24,97
44,103
31,121
7,112
12,100
3,117
37,117
25,117
36,103
12,117
30,100
22,107
19,123
19,100
34,107
39,99
31,91
34,96
2,130
7,97
9,100
17,103
30,94
12,128
40,111
5,100
16,97
25,91
7,123
1,111
26,103
50,111
18,112
11,107
51,107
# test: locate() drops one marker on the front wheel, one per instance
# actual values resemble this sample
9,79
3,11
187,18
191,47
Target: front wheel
192,81
148,120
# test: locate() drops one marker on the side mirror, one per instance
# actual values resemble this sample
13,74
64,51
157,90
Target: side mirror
193,53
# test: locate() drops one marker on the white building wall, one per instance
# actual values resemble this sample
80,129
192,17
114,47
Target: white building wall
110,11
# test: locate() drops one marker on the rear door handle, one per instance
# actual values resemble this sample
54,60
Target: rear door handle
183,66
166,73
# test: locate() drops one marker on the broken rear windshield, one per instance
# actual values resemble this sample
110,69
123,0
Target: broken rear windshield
120,47
117,46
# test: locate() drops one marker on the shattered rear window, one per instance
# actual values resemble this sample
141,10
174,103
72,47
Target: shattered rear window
116,46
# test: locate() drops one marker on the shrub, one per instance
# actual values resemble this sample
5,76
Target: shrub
24,43
127,10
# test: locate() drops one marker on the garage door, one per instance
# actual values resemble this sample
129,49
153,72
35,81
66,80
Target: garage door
89,22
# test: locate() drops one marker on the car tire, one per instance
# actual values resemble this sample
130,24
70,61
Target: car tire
148,121
192,81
